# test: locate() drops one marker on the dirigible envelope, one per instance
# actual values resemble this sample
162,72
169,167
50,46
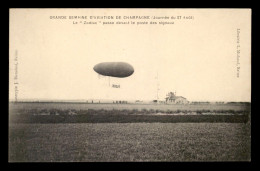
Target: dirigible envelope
114,69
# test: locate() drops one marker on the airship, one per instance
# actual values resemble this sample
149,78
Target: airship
114,69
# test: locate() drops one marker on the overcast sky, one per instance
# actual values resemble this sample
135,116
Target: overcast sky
196,58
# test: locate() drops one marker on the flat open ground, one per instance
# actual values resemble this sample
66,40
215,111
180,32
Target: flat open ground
129,142
45,132
164,107
126,113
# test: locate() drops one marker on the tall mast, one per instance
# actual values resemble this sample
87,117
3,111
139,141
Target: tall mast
157,87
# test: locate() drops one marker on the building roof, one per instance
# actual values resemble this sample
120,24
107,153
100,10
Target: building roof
175,97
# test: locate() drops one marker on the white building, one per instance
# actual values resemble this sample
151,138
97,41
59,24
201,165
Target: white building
173,99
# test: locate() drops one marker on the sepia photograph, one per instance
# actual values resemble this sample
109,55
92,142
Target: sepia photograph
129,85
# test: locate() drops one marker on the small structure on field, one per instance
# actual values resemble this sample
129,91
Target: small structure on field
171,98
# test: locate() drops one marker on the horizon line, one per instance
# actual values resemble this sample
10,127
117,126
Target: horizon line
87,100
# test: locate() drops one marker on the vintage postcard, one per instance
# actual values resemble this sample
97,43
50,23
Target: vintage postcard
151,84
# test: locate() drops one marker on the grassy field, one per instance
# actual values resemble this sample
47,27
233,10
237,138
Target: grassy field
129,142
126,113
45,132
163,107
131,118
